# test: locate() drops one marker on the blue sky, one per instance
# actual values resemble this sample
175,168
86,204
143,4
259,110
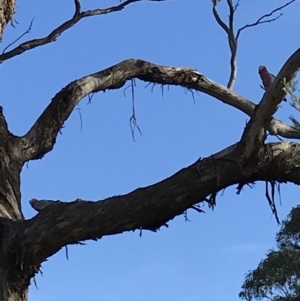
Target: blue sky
205,259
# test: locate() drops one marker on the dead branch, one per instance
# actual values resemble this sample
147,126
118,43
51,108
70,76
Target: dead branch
232,38
52,36
271,199
20,37
42,136
262,20
151,207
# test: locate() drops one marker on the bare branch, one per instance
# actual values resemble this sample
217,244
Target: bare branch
231,39
233,46
51,37
42,136
20,37
218,18
271,199
151,207
262,20
231,14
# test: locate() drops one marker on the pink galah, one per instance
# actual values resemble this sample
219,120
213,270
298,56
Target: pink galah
266,77
40,205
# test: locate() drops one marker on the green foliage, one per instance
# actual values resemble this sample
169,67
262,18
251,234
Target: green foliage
289,234
290,88
277,277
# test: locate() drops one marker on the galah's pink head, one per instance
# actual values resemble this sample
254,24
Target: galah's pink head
262,69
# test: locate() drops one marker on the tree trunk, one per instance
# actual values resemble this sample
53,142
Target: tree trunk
14,275
12,286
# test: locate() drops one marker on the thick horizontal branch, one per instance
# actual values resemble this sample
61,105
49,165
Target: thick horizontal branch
51,37
151,207
41,137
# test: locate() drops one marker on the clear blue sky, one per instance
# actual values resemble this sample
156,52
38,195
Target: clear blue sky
204,259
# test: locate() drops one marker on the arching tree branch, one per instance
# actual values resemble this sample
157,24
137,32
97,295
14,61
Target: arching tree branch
42,136
51,37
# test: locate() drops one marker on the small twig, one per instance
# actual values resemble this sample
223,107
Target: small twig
241,185
186,216
80,116
237,5
132,120
279,192
211,200
198,209
20,37
35,283
162,90
67,252
124,91
271,200
261,19
90,97
51,37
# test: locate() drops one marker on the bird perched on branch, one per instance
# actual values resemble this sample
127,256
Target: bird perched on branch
266,77
40,205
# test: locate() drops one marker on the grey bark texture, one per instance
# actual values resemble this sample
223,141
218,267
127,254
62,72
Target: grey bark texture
25,244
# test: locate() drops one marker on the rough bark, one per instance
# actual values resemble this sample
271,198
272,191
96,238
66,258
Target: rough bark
25,244
13,283
14,280
7,9
151,207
